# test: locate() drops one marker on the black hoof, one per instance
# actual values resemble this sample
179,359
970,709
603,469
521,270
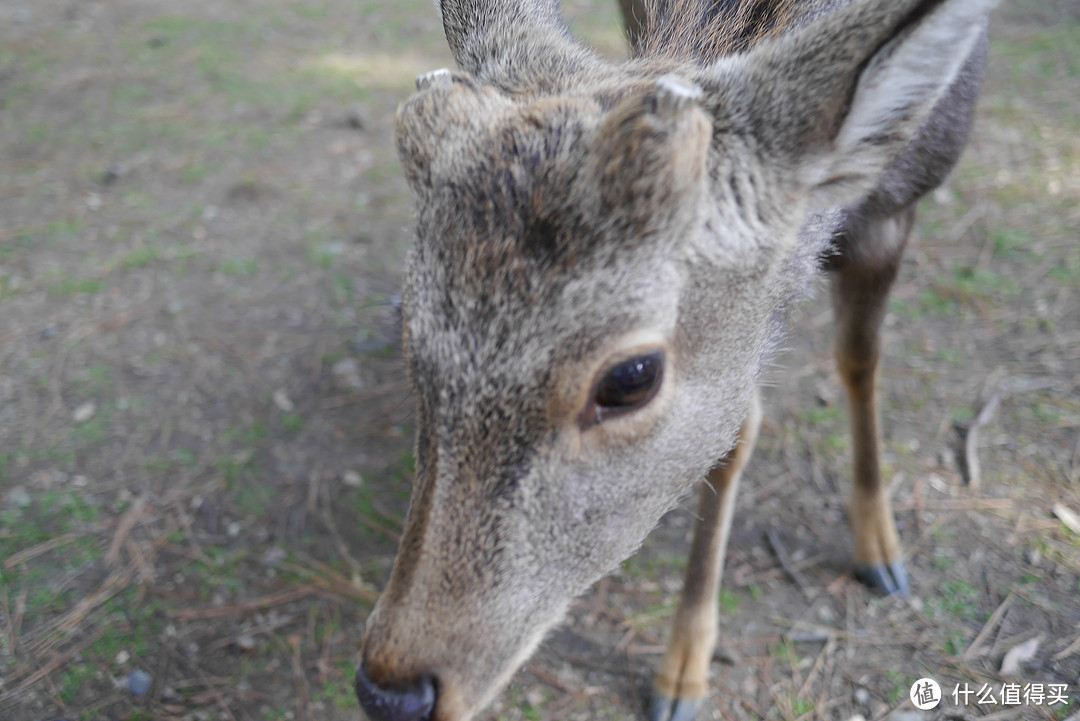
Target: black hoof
674,709
888,579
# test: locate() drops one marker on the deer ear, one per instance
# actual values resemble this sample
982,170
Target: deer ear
843,96
651,159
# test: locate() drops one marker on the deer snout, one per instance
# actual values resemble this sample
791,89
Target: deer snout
410,701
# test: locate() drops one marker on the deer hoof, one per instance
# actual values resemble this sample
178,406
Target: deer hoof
665,708
890,579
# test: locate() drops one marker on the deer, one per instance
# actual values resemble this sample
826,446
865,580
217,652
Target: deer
604,255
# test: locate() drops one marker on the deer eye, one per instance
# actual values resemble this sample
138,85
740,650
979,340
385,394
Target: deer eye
625,387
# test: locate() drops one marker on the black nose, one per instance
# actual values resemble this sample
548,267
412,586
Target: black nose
413,701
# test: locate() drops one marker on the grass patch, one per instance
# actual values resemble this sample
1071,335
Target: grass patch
140,257
728,601
958,599
238,267
66,286
291,423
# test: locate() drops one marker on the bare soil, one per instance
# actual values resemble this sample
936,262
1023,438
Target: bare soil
205,433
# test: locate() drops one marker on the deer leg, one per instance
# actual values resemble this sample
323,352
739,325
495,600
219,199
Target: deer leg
681,684
861,283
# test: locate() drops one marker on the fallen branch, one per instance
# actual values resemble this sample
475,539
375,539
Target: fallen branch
785,561
990,625
123,528
258,604
971,441
44,547
57,661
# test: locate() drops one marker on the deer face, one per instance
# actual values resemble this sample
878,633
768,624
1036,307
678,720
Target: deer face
561,404
596,281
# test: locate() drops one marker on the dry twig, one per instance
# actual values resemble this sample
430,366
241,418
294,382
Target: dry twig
785,560
990,625
257,604
971,441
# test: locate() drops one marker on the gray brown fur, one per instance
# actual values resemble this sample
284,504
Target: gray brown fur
569,208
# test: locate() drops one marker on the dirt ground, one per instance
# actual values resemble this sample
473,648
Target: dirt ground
205,433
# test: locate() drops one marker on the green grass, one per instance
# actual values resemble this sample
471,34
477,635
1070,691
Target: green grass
901,684
95,430
958,599
238,267
822,415
65,286
1010,244
236,468
323,255
140,257
728,601
955,643
291,423
1043,54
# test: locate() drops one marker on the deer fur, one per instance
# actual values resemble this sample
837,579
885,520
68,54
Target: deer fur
572,212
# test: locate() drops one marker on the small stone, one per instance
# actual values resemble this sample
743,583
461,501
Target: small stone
138,682
282,400
352,479
80,481
347,373
19,497
122,658
274,556
111,174
944,196
345,366
233,529
84,412
357,118
862,696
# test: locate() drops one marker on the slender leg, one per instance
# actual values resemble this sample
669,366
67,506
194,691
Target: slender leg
861,286
682,681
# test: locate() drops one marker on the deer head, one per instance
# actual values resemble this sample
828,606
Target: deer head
602,257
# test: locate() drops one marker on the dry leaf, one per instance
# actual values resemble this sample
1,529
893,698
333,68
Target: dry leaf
1010,665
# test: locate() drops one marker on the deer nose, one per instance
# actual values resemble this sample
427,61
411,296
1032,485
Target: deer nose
411,701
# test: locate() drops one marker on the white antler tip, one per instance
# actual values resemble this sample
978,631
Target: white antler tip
442,75
676,93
